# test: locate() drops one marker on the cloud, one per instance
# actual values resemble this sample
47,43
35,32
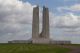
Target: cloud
68,22
13,10
75,7
15,19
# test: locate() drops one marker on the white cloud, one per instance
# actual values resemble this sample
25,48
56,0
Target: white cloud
69,22
15,19
13,10
75,7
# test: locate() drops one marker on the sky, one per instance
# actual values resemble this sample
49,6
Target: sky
16,19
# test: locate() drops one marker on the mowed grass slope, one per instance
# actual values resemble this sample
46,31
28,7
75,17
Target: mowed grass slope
31,48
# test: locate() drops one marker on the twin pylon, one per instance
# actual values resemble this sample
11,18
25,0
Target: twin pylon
43,37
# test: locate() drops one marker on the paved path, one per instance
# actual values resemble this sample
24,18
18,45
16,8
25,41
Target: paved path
74,49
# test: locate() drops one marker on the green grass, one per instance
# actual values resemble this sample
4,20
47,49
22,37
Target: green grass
76,45
31,48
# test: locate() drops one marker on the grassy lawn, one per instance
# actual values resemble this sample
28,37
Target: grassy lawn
76,45
31,48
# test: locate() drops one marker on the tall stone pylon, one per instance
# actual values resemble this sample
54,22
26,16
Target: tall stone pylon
35,24
44,35
45,23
